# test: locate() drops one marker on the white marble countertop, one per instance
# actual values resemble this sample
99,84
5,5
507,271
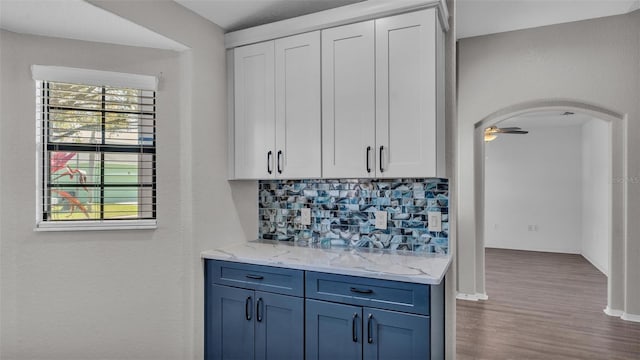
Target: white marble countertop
404,266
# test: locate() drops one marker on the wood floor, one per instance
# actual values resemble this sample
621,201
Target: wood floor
543,306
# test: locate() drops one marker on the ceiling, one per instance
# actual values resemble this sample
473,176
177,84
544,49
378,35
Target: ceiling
78,19
233,15
482,17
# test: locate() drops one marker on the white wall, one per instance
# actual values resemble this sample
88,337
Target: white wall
596,175
534,180
216,211
120,294
594,62
87,295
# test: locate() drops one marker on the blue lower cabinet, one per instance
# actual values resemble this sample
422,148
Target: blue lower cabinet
263,313
333,331
245,324
279,327
395,335
230,325
340,331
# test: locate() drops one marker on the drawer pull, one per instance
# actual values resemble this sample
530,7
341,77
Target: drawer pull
369,329
361,291
247,308
354,328
255,277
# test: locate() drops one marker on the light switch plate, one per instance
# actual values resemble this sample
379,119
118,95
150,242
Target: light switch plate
305,216
381,220
435,221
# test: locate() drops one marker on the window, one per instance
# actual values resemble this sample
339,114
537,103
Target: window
97,153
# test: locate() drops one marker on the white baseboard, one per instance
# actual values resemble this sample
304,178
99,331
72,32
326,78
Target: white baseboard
596,265
630,317
609,311
622,315
534,249
472,297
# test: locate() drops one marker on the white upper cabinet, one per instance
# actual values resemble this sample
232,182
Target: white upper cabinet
277,109
380,98
254,125
348,101
298,132
406,96
359,100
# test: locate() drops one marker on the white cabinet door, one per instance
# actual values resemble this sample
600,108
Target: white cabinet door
348,101
254,111
298,131
406,135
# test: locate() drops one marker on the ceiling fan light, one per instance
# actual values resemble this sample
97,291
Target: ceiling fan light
489,137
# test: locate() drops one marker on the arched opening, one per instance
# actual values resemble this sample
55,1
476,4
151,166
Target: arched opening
616,206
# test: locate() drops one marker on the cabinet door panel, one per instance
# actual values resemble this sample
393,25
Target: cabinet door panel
231,334
298,129
254,110
348,100
394,335
406,95
279,327
332,332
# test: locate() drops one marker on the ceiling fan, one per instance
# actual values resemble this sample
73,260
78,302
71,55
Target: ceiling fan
491,133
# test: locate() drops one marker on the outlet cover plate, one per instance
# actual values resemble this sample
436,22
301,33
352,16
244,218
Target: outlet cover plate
381,220
435,221
305,216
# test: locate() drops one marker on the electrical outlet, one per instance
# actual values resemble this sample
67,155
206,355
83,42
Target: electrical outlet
381,220
305,216
434,219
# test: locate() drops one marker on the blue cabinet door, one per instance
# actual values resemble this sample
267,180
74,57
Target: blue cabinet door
279,327
230,325
333,331
394,335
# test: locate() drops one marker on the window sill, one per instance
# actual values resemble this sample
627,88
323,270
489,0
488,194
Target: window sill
97,225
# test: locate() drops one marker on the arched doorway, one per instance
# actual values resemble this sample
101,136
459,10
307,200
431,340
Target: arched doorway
615,282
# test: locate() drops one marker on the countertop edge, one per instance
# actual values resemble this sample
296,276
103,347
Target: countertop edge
432,280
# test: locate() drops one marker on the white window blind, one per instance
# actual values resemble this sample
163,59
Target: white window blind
97,163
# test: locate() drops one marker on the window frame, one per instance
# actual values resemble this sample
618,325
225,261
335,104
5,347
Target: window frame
103,79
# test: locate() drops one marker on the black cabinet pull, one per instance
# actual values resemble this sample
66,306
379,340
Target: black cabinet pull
368,152
361,291
369,329
258,309
269,154
279,165
381,169
247,308
354,327
254,277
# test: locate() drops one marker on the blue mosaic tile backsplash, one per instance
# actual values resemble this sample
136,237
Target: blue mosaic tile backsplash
343,212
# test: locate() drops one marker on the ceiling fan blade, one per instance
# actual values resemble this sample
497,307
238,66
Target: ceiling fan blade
515,132
510,128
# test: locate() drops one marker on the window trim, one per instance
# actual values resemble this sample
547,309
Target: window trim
88,77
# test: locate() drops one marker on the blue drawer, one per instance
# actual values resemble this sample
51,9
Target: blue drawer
383,294
256,277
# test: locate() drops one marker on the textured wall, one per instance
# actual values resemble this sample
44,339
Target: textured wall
343,212
87,294
593,61
534,180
